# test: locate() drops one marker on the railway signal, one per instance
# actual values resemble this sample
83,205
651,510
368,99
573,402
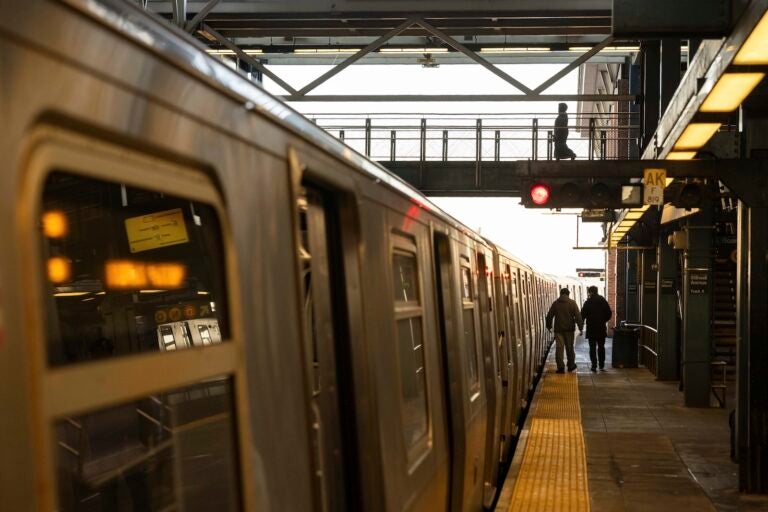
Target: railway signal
569,193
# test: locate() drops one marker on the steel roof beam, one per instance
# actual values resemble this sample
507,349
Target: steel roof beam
462,97
250,60
191,26
474,56
573,65
357,56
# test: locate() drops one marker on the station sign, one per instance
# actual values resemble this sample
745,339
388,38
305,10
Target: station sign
655,180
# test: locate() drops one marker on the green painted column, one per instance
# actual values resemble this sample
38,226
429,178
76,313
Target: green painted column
697,309
666,311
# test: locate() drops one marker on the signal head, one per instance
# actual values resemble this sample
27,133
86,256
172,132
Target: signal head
540,194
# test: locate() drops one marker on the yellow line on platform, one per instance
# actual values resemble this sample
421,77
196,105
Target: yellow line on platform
553,475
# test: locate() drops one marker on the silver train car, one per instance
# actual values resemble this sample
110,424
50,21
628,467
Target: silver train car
370,352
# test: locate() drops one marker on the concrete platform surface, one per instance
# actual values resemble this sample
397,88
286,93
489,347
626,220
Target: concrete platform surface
644,450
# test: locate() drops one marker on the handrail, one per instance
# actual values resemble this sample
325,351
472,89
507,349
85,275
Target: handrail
649,342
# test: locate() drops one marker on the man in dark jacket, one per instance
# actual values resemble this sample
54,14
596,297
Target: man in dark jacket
566,316
561,134
596,312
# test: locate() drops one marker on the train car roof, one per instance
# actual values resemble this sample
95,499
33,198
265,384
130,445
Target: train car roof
183,51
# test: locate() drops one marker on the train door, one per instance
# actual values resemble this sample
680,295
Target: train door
492,376
532,320
461,382
509,375
520,367
326,350
526,334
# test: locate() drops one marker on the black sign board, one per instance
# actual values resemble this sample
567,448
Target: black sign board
649,285
699,282
632,288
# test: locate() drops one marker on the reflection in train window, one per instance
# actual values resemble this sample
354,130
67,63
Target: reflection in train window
169,451
129,270
466,284
408,314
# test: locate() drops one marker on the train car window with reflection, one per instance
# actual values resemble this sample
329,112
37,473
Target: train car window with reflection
128,270
410,335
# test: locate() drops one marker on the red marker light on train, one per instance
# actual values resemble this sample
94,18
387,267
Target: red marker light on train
539,194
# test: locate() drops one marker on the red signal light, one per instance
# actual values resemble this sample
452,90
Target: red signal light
539,194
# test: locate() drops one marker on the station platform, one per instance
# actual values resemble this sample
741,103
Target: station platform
619,440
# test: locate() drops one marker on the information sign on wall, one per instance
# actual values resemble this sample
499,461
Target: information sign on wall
699,282
654,181
154,230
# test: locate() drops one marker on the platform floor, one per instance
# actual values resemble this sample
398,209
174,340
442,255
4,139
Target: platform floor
643,450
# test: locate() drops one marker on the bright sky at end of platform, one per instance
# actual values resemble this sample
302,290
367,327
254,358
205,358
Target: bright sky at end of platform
541,239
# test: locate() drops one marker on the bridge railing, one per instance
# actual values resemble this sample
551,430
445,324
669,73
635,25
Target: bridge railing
446,137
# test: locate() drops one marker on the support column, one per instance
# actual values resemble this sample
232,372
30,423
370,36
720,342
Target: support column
632,312
752,350
648,288
651,67
668,364
669,72
697,309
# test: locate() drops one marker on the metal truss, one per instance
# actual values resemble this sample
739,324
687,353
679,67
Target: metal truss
528,94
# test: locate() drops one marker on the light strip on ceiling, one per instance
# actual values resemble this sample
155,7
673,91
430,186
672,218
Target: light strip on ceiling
413,50
696,135
537,49
681,155
324,51
607,49
754,51
230,52
730,91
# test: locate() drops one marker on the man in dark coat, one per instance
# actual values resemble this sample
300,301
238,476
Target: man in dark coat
596,312
566,316
561,134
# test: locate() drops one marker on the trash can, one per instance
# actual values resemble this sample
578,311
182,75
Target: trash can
624,351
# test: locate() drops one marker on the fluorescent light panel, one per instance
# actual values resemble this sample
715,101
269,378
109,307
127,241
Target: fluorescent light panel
696,135
730,91
754,51
413,50
536,49
324,51
681,155
608,49
230,52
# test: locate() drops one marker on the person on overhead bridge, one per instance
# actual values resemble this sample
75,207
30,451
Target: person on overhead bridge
566,315
596,312
561,134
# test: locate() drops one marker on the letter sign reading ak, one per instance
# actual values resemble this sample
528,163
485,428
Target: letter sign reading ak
655,180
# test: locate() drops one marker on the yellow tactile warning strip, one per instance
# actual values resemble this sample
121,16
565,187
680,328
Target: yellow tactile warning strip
553,475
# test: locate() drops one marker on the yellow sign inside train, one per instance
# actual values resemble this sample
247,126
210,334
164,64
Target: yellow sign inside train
156,230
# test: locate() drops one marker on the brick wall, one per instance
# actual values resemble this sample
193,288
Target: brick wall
615,277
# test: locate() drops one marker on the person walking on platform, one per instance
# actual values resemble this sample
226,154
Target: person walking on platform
566,315
596,312
561,134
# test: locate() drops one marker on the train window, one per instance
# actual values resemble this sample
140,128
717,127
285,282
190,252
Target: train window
168,451
128,269
408,316
466,284
406,286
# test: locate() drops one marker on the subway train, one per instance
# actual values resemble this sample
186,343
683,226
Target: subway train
209,303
